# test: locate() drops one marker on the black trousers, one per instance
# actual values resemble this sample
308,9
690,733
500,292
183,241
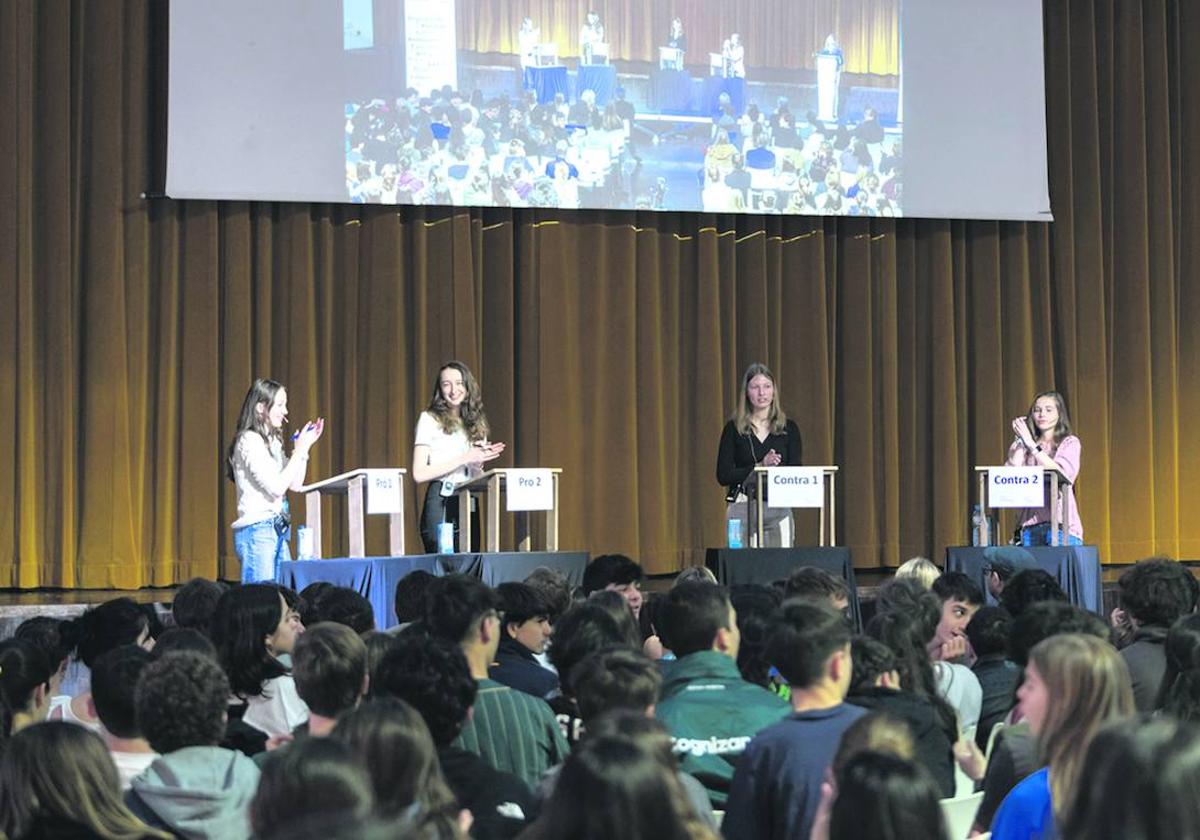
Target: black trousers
438,509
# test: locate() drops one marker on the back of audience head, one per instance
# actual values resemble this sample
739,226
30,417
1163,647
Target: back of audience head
329,665
111,624
181,702
584,629
44,632
525,616
553,588
810,645
755,607
411,593
1156,592
694,574
378,644
1049,618
394,743
616,606
813,584
881,796
308,604
698,617
24,685
874,665
114,680
1074,684
920,569
195,603
433,677
1031,586
614,786
907,633
184,638
988,632
251,626
876,732
1179,693
616,679
1002,563
58,773
343,605
314,779
618,573
457,605
1139,782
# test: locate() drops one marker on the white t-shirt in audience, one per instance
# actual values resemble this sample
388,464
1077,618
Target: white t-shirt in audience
958,686
278,710
131,764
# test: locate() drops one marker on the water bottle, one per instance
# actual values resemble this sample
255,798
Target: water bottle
445,537
733,533
304,543
977,526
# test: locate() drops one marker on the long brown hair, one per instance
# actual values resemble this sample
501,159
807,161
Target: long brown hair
249,420
1087,685
470,414
63,770
1063,429
776,419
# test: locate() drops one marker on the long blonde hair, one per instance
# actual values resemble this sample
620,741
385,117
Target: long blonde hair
1087,685
776,419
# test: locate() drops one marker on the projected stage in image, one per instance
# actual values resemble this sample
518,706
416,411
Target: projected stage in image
758,106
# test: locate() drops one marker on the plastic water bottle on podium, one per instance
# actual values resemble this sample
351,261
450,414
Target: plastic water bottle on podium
979,526
733,533
445,533
304,543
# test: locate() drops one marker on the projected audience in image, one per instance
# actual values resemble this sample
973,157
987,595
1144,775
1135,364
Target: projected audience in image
747,120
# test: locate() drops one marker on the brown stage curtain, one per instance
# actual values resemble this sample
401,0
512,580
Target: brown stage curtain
776,33
609,344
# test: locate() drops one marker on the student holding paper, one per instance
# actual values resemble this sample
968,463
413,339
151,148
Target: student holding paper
1044,439
256,465
450,448
758,434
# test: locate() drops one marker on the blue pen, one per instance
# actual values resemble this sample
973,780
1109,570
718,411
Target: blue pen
296,434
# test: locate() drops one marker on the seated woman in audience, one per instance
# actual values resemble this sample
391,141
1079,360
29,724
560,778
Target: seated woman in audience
614,786
394,743
1179,695
45,632
95,632
1138,782
24,686
315,783
881,796
921,569
58,781
253,626
1074,684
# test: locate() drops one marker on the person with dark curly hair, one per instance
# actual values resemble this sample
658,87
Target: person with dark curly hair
1152,596
195,788
433,677
1030,586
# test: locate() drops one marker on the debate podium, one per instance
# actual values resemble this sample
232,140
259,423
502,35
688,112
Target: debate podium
827,505
384,494
490,486
1052,478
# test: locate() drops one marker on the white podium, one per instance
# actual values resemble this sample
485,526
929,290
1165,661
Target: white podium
828,76
386,482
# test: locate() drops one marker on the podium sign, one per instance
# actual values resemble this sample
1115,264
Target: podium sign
1015,487
795,487
383,492
530,489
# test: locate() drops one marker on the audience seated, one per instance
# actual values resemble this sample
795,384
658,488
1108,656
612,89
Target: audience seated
960,598
329,667
24,686
515,732
813,584
433,677
184,638
525,630
880,796
553,588
921,569
618,607
1074,684
710,711
585,629
393,742
777,785
114,680
1180,696
618,573
1001,563
875,685
316,783
997,674
755,607
877,732
411,591
195,603
252,627
1152,596
195,788
1027,587
57,781
343,605
44,632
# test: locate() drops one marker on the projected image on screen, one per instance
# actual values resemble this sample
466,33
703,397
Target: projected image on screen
757,106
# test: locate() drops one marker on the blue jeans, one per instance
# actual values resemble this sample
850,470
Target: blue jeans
1039,534
261,549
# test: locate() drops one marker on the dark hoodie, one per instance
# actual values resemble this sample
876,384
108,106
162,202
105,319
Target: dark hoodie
197,792
932,740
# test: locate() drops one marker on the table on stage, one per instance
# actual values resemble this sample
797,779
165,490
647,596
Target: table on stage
600,78
375,578
494,482
735,86
734,566
546,81
1076,568
671,90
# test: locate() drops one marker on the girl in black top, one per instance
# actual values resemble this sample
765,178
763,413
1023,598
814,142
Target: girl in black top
759,434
